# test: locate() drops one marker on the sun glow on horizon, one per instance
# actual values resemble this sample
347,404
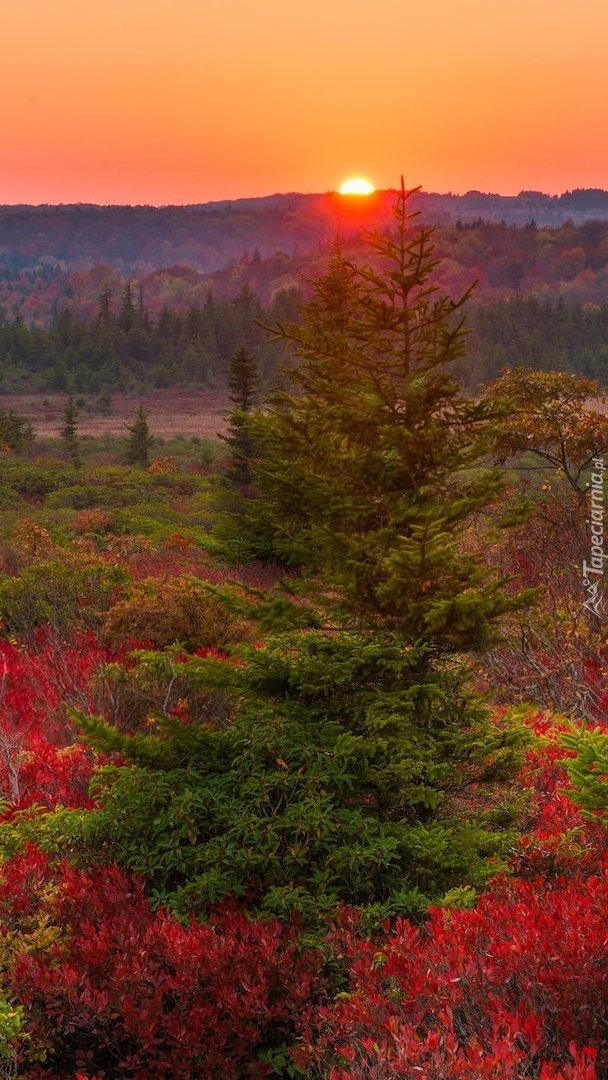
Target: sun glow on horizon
357,185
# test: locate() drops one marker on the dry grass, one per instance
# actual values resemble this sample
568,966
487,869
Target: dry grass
170,413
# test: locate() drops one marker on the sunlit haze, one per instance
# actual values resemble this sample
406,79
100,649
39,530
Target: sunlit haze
356,186
149,102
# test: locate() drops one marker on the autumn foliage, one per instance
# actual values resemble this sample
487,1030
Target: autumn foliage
213,828
514,986
112,988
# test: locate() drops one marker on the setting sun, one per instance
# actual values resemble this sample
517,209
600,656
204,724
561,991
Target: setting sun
356,186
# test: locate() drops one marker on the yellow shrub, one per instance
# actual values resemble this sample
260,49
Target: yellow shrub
169,610
166,465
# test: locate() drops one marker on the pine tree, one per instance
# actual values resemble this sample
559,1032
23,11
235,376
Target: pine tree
359,765
372,467
16,432
243,383
139,441
105,315
69,432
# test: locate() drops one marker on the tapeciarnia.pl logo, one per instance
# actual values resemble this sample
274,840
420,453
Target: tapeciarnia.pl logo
593,571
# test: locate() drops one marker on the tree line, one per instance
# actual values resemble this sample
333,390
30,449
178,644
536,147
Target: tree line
543,334
124,348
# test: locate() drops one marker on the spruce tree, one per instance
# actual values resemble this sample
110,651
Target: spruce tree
243,383
359,765
372,469
105,314
69,432
16,432
139,441
128,316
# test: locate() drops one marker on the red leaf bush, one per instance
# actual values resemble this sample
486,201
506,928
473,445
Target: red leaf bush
515,988
555,838
126,992
39,760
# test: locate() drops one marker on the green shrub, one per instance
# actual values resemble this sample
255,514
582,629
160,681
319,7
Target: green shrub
63,594
588,771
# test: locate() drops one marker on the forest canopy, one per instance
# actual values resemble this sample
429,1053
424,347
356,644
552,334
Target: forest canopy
539,301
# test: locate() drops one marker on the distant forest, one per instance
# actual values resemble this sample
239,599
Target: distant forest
128,350
138,239
96,299
123,348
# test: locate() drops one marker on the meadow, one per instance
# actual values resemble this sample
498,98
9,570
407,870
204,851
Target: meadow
110,608
174,412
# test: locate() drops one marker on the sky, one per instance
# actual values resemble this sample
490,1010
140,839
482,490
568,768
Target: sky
185,101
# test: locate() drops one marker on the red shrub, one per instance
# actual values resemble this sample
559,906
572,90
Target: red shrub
509,990
555,838
520,980
131,993
39,762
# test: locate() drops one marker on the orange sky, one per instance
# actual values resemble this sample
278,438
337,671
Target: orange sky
177,101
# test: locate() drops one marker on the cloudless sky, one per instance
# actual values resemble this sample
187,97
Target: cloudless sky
180,101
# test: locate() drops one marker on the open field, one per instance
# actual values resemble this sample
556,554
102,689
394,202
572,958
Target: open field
170,413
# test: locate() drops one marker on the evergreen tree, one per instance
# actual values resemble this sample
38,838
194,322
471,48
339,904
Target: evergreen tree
372,467
243,380
139,441
105,315
243,383
128,316
16,432
69,432
587,768
350,772
359,765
